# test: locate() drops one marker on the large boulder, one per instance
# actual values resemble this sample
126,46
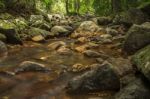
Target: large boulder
102,78
9,29
135,90
132,16
142,60
89,26
137,37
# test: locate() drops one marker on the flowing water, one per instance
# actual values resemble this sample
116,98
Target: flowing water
37,85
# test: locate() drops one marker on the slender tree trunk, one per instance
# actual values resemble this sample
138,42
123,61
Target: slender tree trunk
67,6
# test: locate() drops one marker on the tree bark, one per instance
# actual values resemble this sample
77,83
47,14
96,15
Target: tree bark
116,6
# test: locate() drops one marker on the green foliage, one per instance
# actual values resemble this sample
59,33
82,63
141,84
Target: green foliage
99,7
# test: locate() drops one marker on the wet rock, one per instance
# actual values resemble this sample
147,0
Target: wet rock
38,38
3,37
82,40
79,67
91,53
137,38
142,60
102,78
94,54
29,66
135,90
104,20
59,31
63,50
56,45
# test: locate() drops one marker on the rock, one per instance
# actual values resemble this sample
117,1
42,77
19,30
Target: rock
2,37
59,31
33,32
135,90
38,38
29,66
9,29
112,32
104,20
88,26
94,54
102,78
91,53
63,50
79,67
142,60
132,16
137,38
106,36
56,45
3,50
82,40
39,22
122,66
99,60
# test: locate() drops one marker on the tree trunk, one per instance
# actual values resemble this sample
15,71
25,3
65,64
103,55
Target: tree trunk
116,6
67,6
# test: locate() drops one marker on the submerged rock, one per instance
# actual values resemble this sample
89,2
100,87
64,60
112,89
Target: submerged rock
137,37
94,54
56,45
29,66
101,78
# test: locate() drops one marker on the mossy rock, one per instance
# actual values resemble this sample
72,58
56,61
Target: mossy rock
142,60
137,37
2,37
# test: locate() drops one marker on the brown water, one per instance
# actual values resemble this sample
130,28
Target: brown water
36,85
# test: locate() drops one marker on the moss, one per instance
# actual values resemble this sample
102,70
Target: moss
142,60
